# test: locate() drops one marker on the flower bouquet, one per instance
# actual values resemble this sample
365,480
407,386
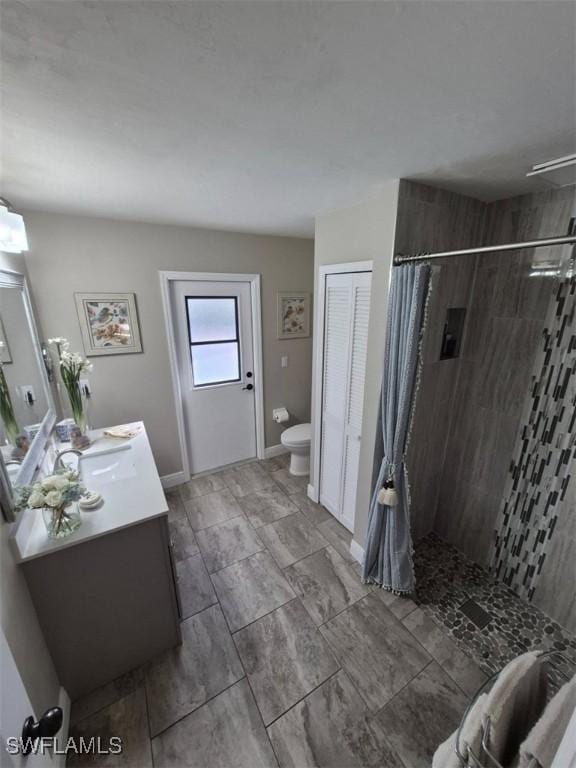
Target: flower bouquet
57,496
72,366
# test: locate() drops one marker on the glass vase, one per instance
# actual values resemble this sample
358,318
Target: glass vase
79,437
78,433
63,521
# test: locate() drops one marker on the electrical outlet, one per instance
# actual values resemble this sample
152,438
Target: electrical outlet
85,389
284,361
27,393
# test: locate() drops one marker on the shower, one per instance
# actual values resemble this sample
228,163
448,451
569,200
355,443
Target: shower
493,441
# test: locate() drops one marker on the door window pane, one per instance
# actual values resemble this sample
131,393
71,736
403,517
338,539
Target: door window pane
215,363
212,319
213,337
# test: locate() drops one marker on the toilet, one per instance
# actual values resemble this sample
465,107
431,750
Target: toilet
297,440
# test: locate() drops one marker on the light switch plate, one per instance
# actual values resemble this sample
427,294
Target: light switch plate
284,361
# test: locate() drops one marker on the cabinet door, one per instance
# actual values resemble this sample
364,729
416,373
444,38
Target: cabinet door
106,605
346,315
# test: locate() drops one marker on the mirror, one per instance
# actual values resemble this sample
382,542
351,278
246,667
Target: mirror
27,412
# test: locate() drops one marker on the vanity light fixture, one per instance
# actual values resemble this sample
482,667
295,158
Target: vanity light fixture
12,230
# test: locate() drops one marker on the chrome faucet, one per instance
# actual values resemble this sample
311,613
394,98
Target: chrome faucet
58,460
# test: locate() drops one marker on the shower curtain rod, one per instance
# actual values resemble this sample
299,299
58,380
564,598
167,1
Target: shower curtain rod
399,259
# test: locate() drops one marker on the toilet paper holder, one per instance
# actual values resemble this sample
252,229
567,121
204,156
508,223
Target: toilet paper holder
280,415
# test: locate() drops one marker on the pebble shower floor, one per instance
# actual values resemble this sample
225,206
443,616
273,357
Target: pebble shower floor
446,580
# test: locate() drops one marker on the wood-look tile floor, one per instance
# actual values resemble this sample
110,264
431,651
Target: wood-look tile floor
287,658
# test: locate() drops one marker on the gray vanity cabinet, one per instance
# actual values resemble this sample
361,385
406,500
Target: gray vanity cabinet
108,604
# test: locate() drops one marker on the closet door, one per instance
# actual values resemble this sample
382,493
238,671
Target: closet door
347,306
337,307
355,395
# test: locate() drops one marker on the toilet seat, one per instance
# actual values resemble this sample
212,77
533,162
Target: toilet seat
298,435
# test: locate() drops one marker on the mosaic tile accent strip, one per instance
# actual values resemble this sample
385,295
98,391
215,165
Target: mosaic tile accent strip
446,579
543,460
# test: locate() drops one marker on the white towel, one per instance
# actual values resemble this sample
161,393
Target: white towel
122,431
544,739
565,757
514,704
470,739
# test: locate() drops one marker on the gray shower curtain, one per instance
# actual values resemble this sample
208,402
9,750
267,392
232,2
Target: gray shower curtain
388,554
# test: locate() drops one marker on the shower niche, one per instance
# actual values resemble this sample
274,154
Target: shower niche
452,334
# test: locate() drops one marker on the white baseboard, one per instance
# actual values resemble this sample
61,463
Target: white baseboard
274,450
64,704
312,493
176,478
357,551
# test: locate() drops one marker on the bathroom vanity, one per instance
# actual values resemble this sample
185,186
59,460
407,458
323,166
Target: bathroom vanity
106,596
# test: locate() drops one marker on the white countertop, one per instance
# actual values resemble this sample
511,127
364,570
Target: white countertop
125,502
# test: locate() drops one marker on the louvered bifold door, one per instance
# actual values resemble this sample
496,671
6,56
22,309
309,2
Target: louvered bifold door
355,395
347,308
337,316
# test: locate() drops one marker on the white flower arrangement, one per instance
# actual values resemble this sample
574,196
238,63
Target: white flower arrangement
70,360
55,491
54,494
72,366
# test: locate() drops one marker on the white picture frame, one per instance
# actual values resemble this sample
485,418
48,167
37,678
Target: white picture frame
108,323
293,314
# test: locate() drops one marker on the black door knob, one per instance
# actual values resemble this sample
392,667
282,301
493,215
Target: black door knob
248,374
48,726
249,387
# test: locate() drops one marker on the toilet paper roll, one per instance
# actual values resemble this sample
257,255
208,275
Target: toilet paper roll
280,415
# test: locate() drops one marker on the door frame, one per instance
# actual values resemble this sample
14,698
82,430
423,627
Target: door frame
167,277
318,383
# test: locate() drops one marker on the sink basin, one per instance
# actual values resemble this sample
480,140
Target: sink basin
108,466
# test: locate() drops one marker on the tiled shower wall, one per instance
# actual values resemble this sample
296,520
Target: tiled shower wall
468,409
431,219
539,493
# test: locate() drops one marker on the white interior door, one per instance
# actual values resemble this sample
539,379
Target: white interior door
214,344
346,316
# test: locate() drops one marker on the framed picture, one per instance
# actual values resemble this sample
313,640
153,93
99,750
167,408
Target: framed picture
109,323
293,315
5,356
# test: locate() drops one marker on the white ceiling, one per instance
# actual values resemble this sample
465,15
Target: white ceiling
256,116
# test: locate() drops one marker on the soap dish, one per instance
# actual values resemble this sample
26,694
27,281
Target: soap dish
91,501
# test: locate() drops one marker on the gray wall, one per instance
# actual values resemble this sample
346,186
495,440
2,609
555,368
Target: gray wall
19,620
364,232
75,254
